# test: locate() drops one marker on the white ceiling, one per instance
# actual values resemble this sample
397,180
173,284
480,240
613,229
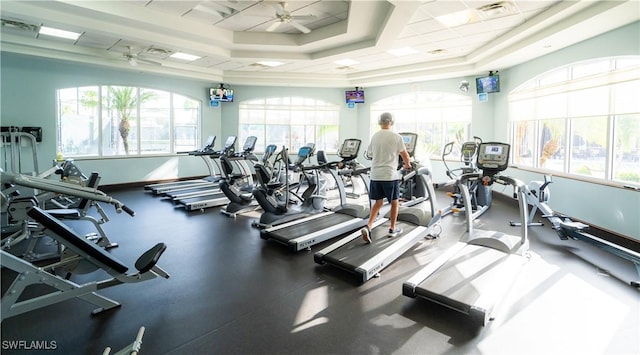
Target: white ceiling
232,36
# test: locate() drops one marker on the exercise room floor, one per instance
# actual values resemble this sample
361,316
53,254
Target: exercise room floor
231,292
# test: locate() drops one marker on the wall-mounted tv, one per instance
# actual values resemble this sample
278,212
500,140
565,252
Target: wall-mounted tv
488,84
221,94
354,96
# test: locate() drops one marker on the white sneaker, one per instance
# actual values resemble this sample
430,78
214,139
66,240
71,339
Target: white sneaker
366,235
395,232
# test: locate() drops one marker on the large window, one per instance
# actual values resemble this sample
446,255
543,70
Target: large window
582,119
291,122
438,118
103,121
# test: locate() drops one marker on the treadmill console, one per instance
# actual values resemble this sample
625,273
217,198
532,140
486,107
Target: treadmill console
231,141
410,140
211,140
349,149
493,156
250,144
229,146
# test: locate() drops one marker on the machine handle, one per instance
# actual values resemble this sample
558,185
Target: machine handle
129,211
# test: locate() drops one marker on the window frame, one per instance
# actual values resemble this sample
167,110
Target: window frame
407,108
593,104
291,114
106,132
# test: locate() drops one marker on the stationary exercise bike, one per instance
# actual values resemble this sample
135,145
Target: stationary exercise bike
481,195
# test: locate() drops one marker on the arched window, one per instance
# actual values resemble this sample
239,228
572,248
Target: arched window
581,119
291,122
437,117
105,121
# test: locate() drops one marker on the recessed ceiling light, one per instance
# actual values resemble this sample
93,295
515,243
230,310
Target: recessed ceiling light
49,31
346,62
270,64
400,52
455,19
184,56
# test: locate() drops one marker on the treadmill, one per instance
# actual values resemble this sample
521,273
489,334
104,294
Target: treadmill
162,188
472,276
206,189
366,261
212,196
305,232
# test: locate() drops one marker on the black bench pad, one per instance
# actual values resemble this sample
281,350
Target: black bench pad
91,249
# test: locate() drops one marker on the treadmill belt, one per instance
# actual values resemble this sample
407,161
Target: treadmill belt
308,227
463,278
356,253
212,187
196,199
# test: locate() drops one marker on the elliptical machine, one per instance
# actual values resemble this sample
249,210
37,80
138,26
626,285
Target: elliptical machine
238,187
276,194
481,195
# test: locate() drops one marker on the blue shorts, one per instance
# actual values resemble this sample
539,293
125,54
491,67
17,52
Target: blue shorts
384,189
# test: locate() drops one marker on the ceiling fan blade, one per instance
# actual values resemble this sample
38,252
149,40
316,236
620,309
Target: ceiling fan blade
147,61
300,27
303,17
202,8
226,10
274,26
134,60
279,7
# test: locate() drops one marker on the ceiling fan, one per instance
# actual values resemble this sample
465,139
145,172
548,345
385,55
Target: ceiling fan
133,59
284,16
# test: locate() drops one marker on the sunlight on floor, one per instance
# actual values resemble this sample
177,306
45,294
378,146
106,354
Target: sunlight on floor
553,306
394,321
314,302
168,170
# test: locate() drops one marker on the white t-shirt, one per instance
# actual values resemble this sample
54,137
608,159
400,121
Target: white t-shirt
385,147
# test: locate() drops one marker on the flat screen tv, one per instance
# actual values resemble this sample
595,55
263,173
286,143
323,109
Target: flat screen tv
221,94
355,96
488,84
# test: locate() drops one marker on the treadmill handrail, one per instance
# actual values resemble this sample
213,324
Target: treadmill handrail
519,194
500,179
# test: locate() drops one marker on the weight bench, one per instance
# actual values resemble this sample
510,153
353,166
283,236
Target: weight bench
81,213
29,274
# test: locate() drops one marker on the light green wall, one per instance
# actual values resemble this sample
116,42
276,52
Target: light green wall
28,86
614,208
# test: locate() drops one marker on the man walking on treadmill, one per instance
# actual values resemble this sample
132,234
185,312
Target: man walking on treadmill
384,148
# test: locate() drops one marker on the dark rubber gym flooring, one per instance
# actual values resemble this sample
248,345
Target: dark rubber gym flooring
231,292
